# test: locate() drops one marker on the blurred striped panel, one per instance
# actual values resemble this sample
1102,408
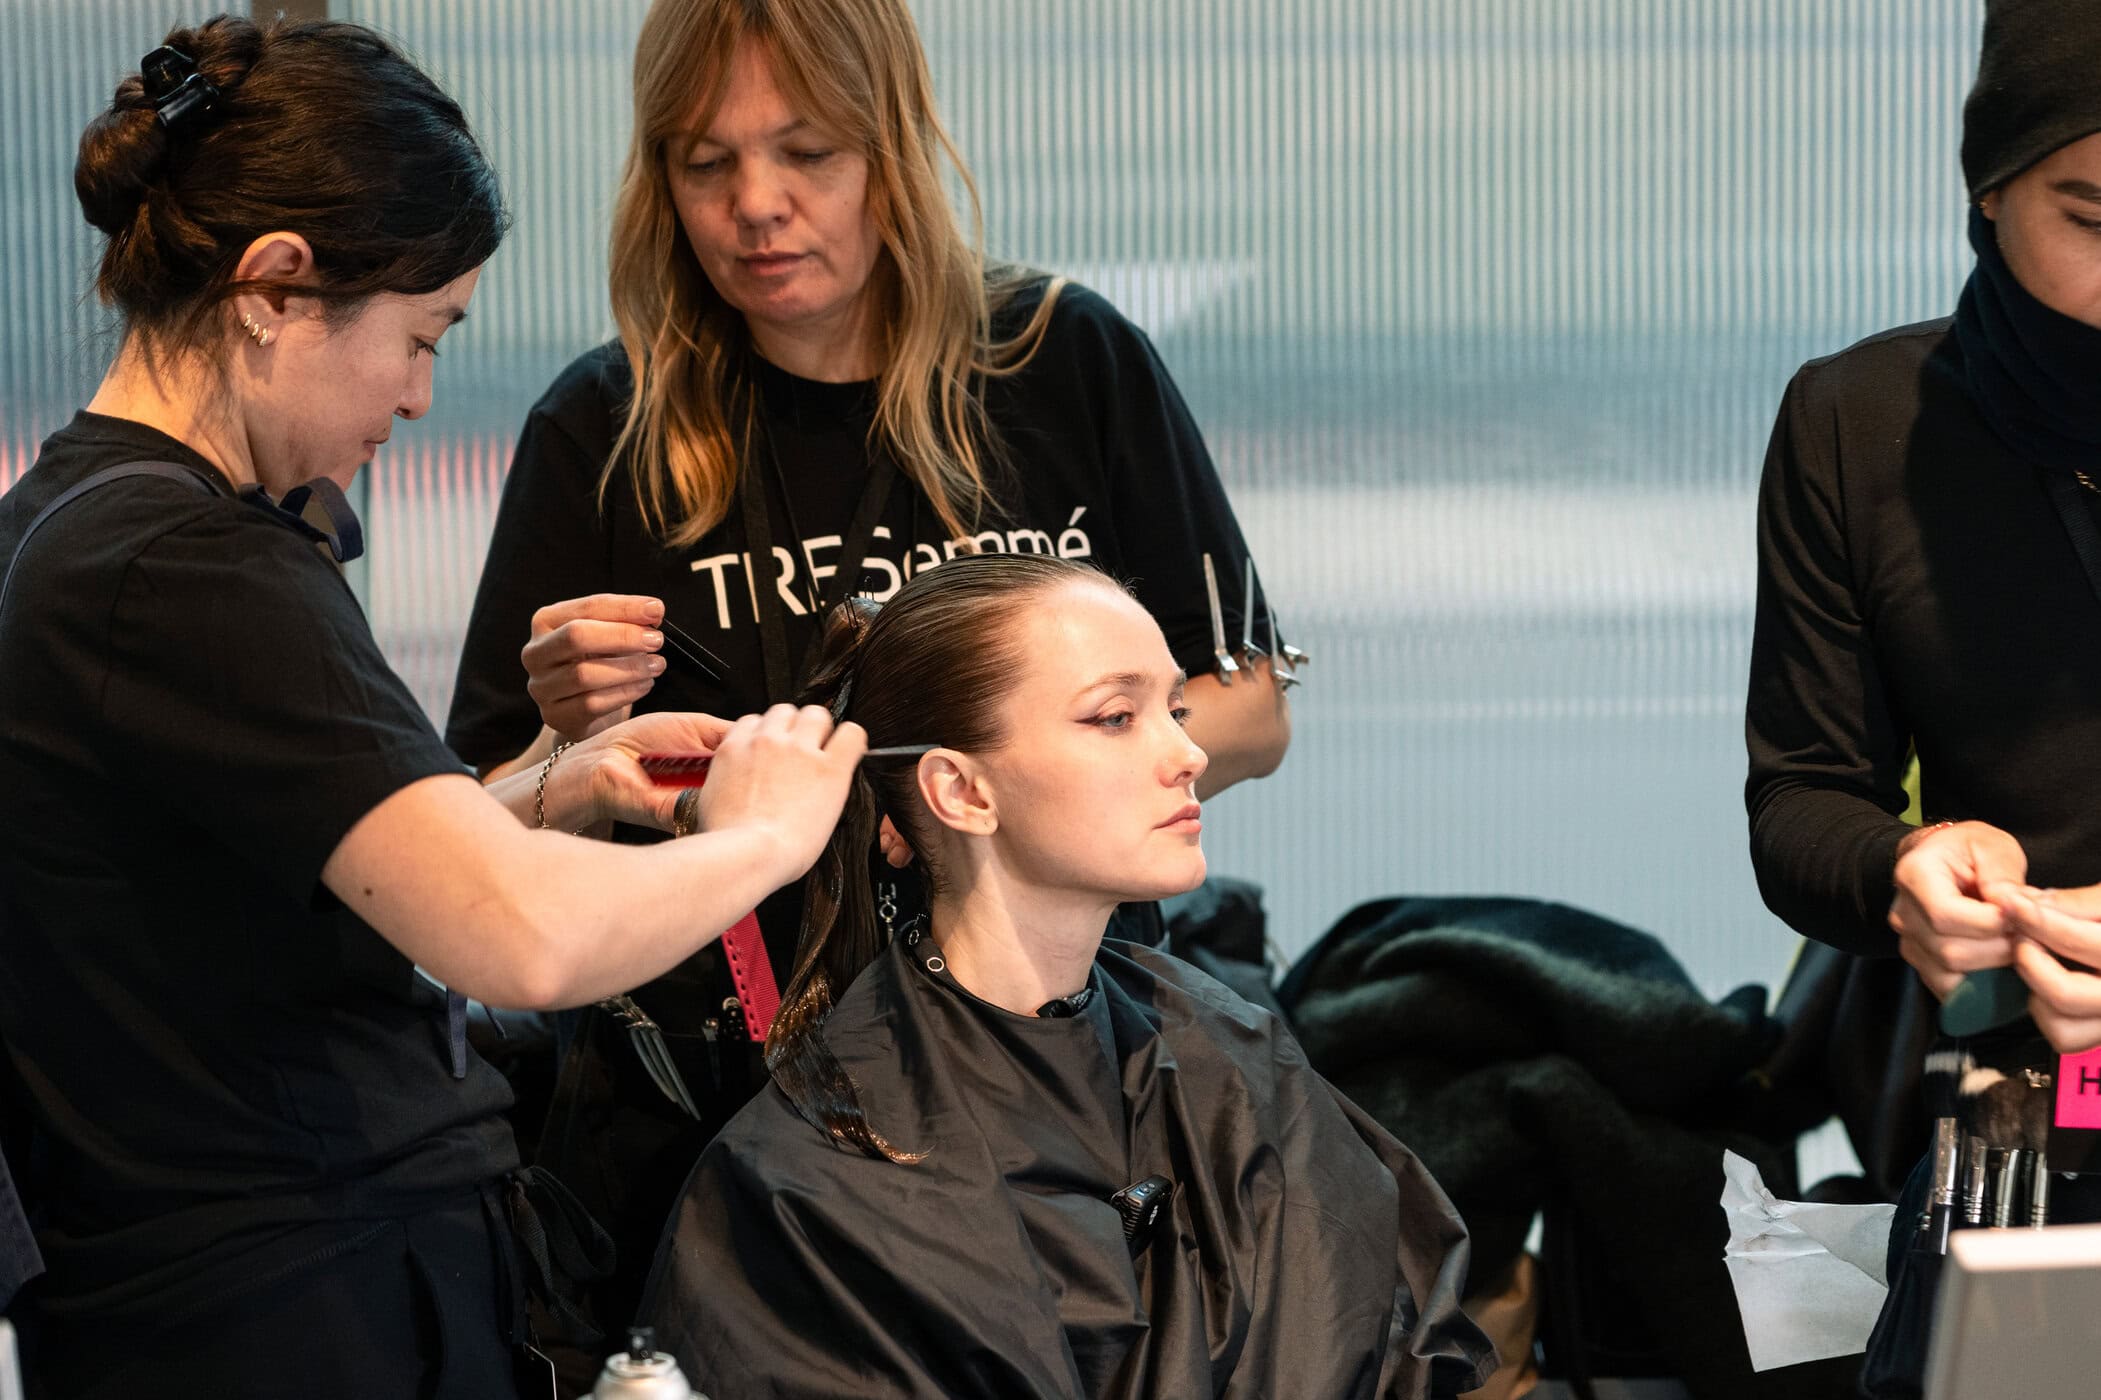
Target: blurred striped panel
545,85
59,64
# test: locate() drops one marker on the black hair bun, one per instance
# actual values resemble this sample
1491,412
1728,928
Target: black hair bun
313,127
122,154
125,152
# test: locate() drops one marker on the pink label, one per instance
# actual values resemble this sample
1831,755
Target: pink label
2079,1090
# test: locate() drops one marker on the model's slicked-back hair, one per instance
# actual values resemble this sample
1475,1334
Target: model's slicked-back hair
932,666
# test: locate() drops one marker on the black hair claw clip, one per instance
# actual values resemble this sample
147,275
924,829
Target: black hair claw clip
180,93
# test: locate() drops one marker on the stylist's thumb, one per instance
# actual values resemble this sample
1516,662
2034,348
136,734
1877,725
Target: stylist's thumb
847,746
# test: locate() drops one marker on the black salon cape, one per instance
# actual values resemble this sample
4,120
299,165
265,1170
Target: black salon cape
1308,1253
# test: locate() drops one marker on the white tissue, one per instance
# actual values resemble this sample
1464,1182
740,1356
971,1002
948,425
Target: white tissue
1809,1278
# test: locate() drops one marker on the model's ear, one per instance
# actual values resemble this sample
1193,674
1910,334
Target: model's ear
1990,205
954,789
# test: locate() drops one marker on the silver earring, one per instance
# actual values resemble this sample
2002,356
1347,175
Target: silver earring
261,333
886,910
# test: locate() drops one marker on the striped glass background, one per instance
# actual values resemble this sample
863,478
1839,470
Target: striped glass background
1483,305
59,63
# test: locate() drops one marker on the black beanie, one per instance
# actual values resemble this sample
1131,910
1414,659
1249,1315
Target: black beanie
2038,87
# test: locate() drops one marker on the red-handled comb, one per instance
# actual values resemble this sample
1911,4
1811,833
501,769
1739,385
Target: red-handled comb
684,770
680,770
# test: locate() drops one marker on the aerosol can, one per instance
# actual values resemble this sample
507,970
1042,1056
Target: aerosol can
642,1373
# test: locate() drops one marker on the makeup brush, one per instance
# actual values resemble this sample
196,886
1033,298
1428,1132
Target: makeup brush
2012,1115
1976,1161
2036,1115
1990,1115
1943,1071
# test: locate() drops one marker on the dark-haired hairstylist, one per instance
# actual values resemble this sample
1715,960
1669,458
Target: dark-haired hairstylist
1920,590
260,1158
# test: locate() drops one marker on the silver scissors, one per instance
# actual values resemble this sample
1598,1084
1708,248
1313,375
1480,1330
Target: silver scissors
651,1047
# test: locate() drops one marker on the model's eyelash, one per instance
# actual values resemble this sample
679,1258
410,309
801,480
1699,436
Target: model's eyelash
1181,715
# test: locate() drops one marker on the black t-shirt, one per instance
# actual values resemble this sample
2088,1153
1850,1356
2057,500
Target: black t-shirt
227,1071
1916,589
1104,463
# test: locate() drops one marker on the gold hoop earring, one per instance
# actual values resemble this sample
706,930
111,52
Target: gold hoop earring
260,333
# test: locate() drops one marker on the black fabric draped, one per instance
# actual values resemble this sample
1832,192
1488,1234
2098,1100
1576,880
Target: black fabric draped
1306,1252
2032,369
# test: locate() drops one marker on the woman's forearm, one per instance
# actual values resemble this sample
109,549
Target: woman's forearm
538,919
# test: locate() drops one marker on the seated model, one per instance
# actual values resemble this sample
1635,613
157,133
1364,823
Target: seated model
924,1201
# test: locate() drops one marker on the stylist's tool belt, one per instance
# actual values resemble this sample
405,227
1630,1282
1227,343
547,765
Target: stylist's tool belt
750,1012
651,1049
745,1016
1284,658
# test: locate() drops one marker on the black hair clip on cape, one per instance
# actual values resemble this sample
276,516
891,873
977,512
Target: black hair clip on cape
180,94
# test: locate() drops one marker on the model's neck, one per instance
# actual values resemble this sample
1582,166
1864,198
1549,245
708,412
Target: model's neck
1019,951
176,395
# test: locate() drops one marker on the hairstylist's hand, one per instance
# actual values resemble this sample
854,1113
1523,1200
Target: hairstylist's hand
896,850
589,659
1946,922
787,772
2049,925
618,789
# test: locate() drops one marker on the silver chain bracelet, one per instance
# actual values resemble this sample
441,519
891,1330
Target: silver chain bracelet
540,789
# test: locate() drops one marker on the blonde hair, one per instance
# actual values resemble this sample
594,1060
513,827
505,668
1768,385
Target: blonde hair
856,67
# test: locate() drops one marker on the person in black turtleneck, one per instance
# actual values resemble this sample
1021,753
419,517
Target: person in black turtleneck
1920,591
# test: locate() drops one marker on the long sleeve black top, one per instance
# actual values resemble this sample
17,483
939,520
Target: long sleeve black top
1916,590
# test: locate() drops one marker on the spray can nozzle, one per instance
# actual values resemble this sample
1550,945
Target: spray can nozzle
643,1373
